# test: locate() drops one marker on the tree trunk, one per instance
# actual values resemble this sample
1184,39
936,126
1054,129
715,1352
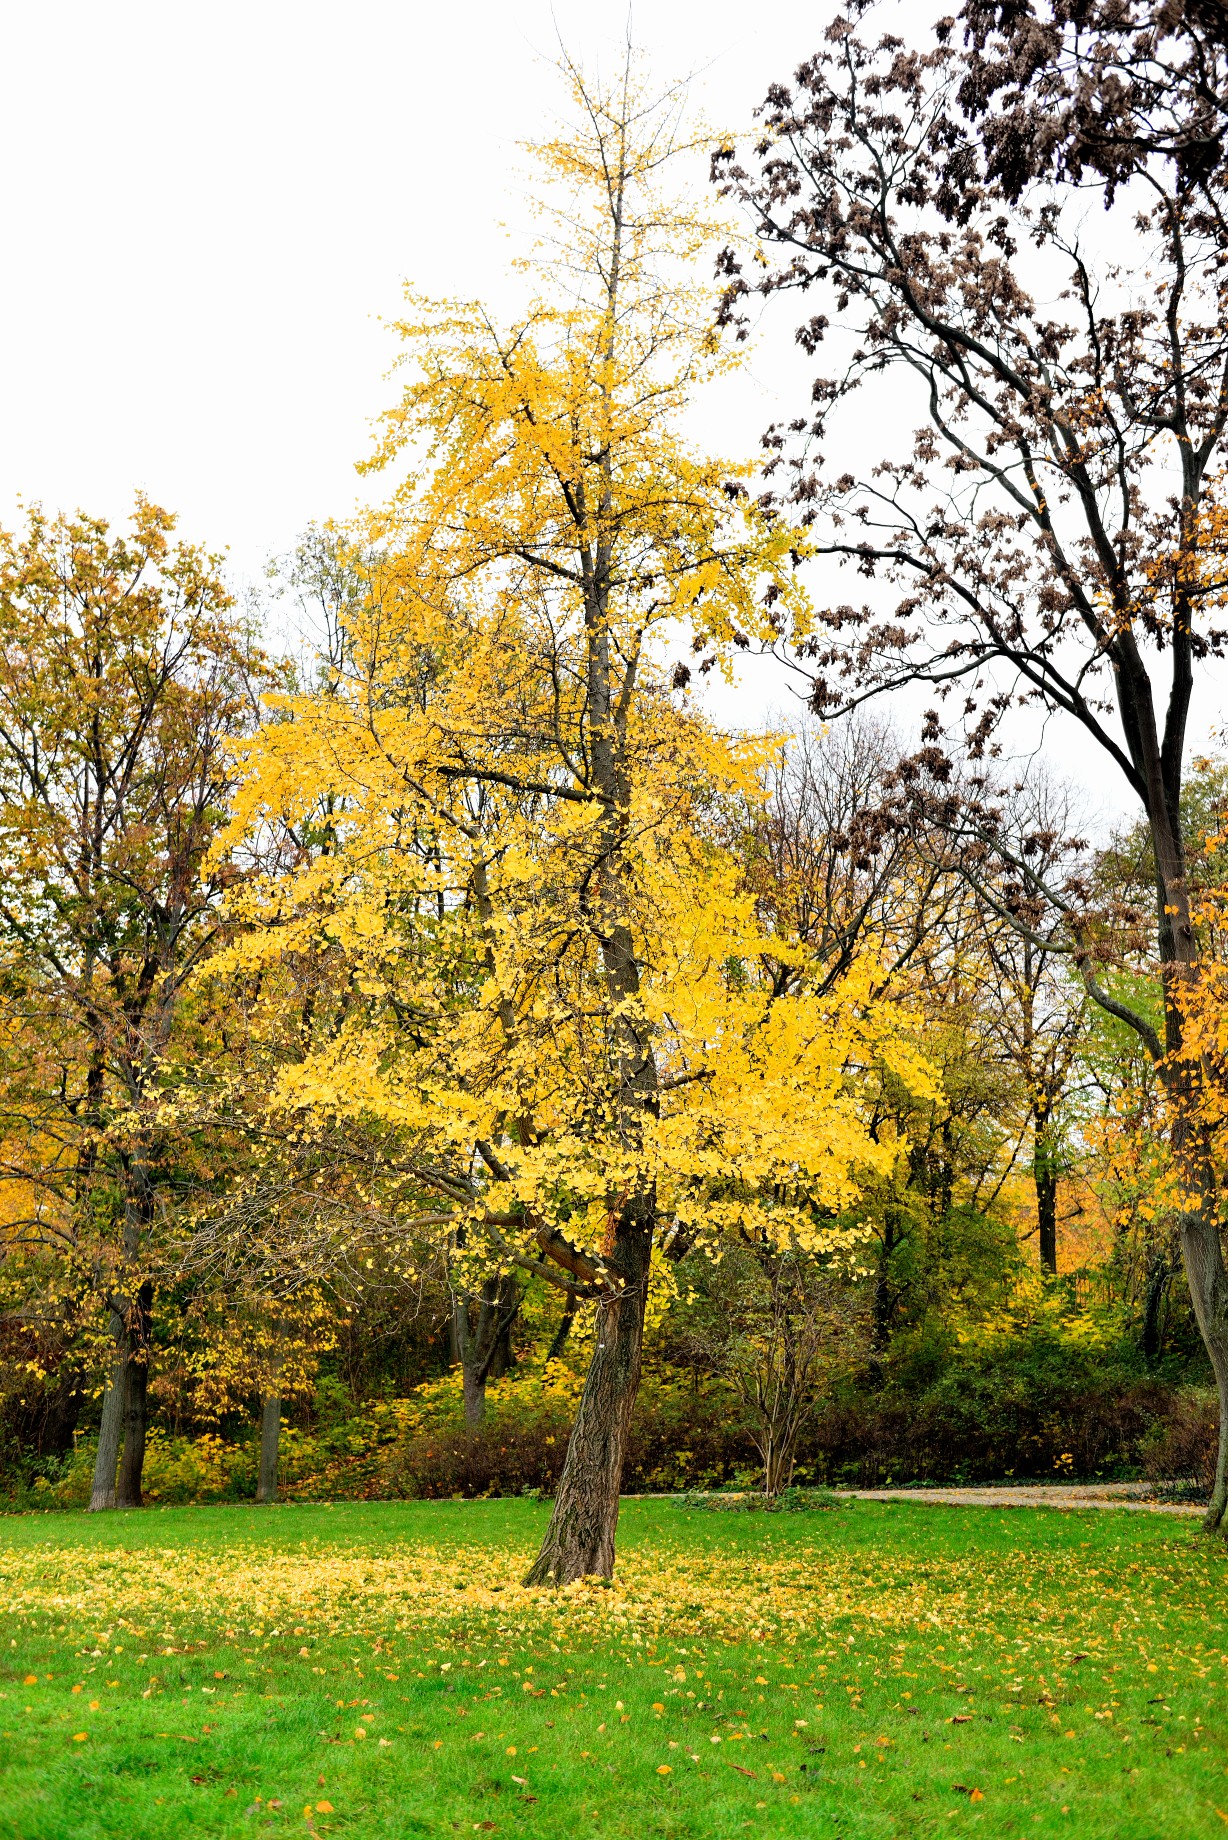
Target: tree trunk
270,1439
885,1299
473,1383
270,1418
1153,1306
579,1541
111,1429
1044,1177
52,1433
778,1446
484,1352
1046,1215
136,1401
1203,1255
502,1357
555,1351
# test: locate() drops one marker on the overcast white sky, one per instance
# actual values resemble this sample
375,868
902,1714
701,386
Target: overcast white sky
209,208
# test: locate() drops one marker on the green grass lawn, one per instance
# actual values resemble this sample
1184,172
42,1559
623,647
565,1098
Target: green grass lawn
376,1670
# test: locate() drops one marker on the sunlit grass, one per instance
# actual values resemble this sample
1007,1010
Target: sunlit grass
377,1670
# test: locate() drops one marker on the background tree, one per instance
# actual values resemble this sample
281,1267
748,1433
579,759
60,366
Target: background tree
124,675
1051,543
780,1324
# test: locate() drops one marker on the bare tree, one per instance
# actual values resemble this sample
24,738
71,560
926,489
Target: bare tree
1050,544
778,1324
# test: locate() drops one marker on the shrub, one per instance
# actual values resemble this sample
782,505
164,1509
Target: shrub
751,1501
1182,1449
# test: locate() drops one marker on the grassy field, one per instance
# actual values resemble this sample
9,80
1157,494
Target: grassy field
375,1670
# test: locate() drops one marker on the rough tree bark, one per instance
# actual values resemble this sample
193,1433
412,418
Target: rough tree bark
270,1440
579,1542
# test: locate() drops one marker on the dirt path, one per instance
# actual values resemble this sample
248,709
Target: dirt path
1136,1497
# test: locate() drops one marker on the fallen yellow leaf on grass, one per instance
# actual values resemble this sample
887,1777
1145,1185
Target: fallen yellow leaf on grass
79,1737
977,1795
665,1769
324,1808
31,1680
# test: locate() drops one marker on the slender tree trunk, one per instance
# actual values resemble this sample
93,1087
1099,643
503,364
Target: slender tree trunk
883,1310
270,1422
579,1541
555,1351
60,1416
470,1348
1044,1177
884,1296
111,1430
484,1352
136,1401
270,1441
501,1356
1046,1214
473,1384
1203,1256
1153,1305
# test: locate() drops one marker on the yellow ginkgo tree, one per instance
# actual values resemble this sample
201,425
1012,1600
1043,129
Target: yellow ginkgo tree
553,995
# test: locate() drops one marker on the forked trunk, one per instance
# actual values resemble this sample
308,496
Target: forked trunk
270,1440
111,1430
777,1464
484,1349
579,1541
